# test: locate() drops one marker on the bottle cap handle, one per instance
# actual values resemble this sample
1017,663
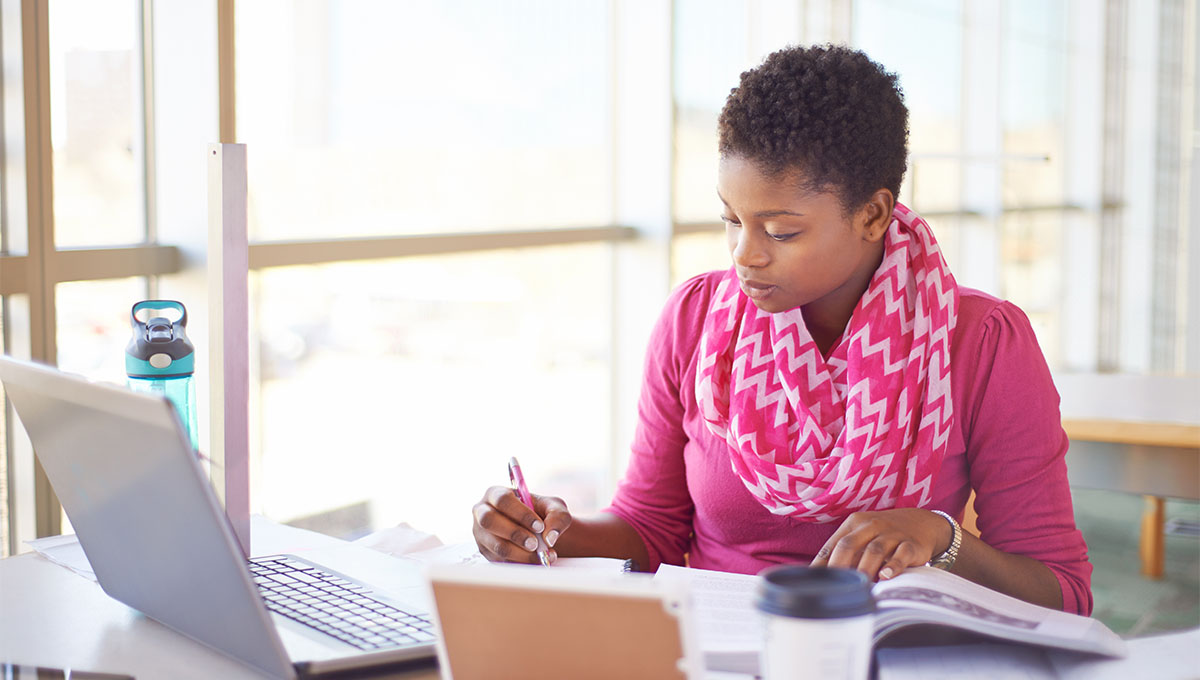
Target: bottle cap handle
158,304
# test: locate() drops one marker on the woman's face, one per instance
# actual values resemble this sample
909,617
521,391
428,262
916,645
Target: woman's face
792,247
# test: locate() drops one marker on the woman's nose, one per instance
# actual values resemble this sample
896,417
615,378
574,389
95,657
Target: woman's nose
747,249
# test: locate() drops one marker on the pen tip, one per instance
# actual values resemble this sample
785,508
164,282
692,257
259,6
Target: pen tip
512,462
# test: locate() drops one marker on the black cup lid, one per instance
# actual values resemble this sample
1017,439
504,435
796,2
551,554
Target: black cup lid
806,592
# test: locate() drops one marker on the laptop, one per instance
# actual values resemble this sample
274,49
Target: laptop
159,541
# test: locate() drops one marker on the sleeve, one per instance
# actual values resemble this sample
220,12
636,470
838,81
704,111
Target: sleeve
1016,450
653,496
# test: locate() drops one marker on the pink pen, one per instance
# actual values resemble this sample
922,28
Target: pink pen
518,482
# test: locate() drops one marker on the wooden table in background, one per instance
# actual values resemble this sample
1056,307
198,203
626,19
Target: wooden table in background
1157,460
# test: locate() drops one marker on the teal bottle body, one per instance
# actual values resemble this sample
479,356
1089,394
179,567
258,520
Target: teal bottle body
160,359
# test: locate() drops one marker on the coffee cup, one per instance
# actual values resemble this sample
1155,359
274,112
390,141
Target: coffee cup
817,623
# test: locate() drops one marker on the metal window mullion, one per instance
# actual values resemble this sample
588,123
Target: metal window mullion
1188,360
1112,186
8,528
641,155
613,431
226,72
1164,287
39,188
94,264
145,109
13,280
110,262
267,254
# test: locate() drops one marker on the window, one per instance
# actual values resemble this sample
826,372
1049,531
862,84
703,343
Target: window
400,388
383,119
480,264
95,104
66,288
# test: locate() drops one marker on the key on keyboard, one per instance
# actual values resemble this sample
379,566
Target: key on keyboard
335,606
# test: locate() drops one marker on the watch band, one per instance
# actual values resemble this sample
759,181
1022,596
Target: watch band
946,559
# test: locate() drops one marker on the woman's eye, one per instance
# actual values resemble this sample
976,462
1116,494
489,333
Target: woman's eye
781,237
729,221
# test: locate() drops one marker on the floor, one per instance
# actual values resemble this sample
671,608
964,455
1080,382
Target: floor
1127,602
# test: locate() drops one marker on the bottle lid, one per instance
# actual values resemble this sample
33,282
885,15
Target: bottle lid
801,591
159,347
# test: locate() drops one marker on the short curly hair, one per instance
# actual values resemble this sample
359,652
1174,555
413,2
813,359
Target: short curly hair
828,112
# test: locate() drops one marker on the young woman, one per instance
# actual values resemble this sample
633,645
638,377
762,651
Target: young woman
834,396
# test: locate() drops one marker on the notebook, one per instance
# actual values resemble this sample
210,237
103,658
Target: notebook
158,540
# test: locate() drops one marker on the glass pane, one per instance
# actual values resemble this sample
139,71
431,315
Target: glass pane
1032,259
397,390
711,50
94,100
4,513
1033,97
948,230
933,183
93,326
928,62
93,329
376,117
19,459
693,254
12,116
1034,174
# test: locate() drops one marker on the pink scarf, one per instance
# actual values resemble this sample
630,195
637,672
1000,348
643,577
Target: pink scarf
865,429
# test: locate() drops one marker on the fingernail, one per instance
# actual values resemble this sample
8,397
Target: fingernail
531,544
885,573
551,537
553,556
538,526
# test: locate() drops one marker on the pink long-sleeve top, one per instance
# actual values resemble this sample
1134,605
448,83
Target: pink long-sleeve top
682,496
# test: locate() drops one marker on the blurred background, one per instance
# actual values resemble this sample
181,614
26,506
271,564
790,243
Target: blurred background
1053,150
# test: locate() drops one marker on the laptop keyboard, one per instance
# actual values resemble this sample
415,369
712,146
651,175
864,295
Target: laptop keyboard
335,606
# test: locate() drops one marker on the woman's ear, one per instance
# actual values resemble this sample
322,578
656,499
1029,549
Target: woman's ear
876,215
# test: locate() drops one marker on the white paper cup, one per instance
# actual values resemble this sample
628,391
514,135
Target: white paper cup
817,623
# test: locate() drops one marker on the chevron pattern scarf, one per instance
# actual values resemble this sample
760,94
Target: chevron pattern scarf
865,429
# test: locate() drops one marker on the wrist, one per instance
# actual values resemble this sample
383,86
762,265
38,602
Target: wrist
947,558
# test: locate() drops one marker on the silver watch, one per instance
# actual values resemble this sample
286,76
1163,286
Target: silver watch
946,559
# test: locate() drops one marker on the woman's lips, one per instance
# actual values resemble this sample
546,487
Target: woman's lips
756,290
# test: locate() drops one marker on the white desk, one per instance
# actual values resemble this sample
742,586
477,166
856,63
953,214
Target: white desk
50,616
53,617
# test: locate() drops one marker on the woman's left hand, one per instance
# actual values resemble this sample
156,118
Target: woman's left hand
882,544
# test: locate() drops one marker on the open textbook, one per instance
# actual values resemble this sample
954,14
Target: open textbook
730,630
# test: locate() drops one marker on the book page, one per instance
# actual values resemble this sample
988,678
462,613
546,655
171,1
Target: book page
610,564
936,590
927,595
730,630
468,553
723,607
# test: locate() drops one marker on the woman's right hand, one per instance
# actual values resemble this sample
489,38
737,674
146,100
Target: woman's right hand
506,530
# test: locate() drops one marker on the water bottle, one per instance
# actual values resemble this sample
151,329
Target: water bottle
161,359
